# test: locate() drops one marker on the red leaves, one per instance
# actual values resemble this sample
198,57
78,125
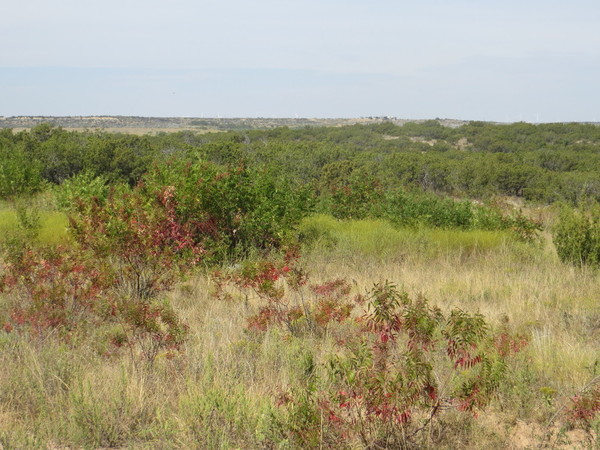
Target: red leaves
332,417
584,408
464,360
384,337
144,234
331,310
261,321
56,287
131,247
335,289
404,417
506,344
473,399
431,392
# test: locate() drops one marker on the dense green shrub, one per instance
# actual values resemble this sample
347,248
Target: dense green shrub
542,163
409,209
237,209
577,236
348,192
82,186
19,175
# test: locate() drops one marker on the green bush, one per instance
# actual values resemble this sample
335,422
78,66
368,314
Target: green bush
237,209
410,209
82,186
19,175
577,236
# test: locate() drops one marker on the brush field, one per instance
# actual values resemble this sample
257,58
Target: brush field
315,288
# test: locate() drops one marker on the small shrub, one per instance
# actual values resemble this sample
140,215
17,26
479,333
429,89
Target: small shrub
54,288
577,237
279,285
584,409
141,236
131,248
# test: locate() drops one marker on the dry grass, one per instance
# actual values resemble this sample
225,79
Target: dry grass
221,393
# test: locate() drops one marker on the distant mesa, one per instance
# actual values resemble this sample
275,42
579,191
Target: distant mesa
195,123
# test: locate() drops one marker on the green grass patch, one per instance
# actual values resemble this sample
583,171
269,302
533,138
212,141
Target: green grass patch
380,238
53,225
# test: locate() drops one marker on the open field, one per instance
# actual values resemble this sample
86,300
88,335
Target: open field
52,224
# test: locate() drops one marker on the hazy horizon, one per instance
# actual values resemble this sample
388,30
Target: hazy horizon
499,61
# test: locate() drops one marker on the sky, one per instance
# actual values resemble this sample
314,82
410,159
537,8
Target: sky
527,60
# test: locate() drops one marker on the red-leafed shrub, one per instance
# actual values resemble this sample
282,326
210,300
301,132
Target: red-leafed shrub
131,246
54,288
408,363
141,236
279,285
402,361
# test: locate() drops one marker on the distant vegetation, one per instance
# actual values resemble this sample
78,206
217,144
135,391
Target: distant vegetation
543,163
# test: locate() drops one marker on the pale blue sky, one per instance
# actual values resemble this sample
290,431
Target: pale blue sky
505,60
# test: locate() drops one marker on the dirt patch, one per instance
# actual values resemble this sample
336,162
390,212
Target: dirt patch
530,435
430,142
463,144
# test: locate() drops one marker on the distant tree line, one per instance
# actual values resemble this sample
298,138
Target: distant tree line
541,163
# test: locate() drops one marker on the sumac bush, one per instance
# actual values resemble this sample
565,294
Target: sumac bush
583,409
54,288
142,237
408,363
70,293
130,247
284,295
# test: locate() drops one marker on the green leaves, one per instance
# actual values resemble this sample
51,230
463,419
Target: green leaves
577,236
239,208
19,175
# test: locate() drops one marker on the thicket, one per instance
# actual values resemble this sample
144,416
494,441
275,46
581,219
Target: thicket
543,163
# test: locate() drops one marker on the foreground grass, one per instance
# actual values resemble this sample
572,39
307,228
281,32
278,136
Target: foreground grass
222,392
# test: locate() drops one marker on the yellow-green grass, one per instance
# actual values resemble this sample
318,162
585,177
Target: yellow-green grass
378,238
53,225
